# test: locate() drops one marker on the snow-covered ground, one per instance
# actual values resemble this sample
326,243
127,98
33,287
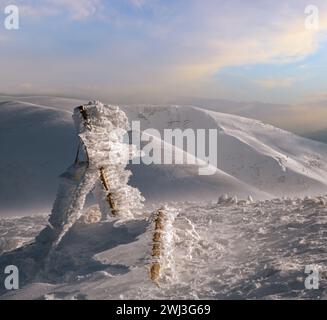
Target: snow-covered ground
235,249
230,250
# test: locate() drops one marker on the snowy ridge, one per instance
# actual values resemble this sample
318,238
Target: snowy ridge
38,141
257,159
260,155
218,246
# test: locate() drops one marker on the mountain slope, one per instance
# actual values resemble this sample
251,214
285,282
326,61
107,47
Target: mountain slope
39,143
226,250
258,154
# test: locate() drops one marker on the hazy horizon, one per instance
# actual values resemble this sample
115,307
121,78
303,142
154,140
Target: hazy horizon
155,51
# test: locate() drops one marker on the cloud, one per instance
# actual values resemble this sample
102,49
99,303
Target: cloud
316,100
282,39
139,3
75,9
78,9
273,83
171,48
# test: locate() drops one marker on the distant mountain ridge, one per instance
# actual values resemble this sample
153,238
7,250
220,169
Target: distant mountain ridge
38,142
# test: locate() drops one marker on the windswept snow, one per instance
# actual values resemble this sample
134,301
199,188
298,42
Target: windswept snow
232,250
38,142
260,155
251,243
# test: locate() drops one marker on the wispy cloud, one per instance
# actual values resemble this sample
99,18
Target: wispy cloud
274,83
160,47
317,100
75,9
139,3
79,9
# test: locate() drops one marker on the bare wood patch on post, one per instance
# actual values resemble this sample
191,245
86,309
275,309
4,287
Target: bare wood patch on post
87,124
157,246
83,112
110,199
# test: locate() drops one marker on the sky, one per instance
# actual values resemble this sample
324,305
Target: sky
155,50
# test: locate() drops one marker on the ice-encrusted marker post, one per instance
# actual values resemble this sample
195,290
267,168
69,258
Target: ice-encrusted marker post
162,243
157,246
101,129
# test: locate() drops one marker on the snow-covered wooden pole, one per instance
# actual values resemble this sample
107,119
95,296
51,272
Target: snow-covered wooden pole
101,129
162,244
157,246
106,186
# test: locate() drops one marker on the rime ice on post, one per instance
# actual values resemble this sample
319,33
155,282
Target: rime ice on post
162,243
101,130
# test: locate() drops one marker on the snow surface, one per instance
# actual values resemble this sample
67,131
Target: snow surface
232,250
260,155
38,142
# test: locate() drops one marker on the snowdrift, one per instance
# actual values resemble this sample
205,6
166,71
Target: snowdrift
231,250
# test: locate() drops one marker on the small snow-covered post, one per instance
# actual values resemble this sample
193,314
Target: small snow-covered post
101,129
162,243
157,246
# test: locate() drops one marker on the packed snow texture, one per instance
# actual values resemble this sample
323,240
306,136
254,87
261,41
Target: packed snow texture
233,250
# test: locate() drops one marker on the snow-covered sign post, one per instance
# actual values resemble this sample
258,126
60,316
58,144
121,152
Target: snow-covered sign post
101,130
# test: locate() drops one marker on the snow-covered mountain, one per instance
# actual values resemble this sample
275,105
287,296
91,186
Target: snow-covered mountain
260,155
38,142
235,248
